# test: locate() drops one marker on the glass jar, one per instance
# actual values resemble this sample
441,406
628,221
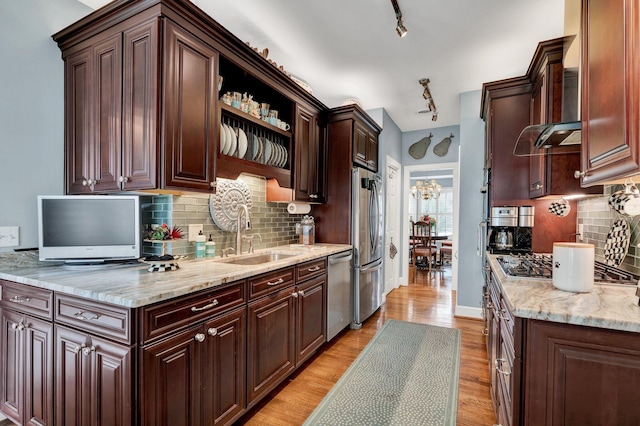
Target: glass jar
307,230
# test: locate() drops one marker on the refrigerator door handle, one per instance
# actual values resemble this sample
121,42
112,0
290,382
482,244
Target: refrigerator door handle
374,214
482,227
373,267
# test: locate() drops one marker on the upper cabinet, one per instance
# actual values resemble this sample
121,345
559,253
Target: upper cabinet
610,90
145,104
552,173
351,124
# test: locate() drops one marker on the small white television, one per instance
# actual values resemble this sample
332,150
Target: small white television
89,228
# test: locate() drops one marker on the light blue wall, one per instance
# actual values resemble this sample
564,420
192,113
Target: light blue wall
31,108
470,275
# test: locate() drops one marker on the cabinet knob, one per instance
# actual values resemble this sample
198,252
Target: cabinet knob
538,186
91,183
200,337
78,348
88,349
213,185
301,293
485,332
123,179
578,174
19,326
294,294
212,331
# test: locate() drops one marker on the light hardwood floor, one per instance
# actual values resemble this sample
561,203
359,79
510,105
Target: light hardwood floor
428,301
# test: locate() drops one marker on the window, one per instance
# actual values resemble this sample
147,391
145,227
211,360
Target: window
440,208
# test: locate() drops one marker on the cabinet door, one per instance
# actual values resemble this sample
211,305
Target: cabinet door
93,382
577,375
310,317
537,163
26,390
372,152
306,150
170,380
360,144
271,342
140,107
190,115
610,95
225,367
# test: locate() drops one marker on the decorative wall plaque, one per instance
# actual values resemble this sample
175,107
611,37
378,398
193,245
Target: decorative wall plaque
225,203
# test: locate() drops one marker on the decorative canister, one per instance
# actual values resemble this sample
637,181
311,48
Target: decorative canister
573,268
307,230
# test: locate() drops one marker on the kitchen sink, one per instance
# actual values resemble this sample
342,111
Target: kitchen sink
257,259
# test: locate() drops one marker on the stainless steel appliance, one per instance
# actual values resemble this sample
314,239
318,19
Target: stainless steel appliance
510,229
367,223
339,293
538,265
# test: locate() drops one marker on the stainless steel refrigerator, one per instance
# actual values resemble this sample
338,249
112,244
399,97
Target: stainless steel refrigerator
367,226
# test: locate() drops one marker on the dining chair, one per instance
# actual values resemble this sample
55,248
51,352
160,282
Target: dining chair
423,247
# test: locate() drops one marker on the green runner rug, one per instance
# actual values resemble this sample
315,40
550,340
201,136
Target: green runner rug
407,375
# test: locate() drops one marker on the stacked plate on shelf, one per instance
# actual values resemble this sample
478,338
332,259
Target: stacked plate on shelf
236,142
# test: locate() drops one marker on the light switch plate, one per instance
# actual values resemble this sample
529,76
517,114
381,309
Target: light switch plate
9,236
194,230
581,232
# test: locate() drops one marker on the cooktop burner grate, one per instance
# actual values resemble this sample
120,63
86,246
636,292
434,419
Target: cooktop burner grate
541,266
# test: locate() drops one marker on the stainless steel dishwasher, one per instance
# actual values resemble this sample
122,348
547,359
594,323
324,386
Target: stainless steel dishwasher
339,293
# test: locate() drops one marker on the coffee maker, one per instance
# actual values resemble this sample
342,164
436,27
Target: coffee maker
510,229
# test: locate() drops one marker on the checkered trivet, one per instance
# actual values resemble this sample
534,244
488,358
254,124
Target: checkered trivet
559,208
617,243
163,267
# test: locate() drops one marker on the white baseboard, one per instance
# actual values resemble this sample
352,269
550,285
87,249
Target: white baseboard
467,311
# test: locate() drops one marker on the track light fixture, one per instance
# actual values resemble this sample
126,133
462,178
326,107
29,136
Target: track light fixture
426,94
400,28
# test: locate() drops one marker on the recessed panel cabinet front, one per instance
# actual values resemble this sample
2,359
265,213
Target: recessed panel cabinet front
93,384
190,122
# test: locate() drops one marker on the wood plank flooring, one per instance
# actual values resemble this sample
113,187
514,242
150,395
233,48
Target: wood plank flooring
428,301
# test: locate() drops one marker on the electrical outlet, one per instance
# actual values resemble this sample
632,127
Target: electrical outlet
194,230
9,236
581,232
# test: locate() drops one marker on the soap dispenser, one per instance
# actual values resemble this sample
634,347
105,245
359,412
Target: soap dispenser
200,245
210,247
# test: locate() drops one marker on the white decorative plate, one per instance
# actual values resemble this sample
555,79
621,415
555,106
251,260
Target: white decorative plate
260,149
224,204
617,243
223,138
283,162
242,143
256,147
268,151
227,147
234,141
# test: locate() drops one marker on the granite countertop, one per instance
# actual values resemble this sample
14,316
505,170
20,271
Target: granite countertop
133,286
607,306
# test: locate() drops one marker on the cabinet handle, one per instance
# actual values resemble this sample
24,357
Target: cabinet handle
294,294
212,331
199,337
301,293
86,350
213,303
361,156
314,269
89,182
313,196
80,315
371,163
20,299
485,332
19,326
78,348
498,363
271,284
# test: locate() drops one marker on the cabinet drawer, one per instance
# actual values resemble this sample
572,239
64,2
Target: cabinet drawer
99,318
310,269
271,281
27,299
180,312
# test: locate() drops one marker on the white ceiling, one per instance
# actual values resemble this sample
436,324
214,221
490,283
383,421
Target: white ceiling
350,49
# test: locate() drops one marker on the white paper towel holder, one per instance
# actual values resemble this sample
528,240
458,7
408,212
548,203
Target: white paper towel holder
298,208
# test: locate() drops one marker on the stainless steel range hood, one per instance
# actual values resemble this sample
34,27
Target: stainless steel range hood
563,137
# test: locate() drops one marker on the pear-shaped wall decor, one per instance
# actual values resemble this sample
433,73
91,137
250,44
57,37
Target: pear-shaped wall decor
419,149
442,147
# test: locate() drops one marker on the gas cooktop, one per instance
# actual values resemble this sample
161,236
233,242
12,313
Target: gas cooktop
538,265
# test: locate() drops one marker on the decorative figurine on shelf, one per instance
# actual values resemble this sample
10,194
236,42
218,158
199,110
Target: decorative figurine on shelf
162,234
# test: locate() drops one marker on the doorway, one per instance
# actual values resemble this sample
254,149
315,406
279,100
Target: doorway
392,234
451,169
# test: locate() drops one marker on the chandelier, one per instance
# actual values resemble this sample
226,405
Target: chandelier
426,190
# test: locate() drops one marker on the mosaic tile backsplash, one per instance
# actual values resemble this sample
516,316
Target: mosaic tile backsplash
271,220
597,218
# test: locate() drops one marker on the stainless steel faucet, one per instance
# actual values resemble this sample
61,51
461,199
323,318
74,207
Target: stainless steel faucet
246,224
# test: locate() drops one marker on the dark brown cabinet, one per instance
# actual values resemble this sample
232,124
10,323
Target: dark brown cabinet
285,328
310,173
610,77
110,106
365,141
26,390
93,380
196,376
190,114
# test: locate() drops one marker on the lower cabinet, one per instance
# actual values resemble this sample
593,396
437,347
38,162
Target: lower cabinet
26,391
285,328
93,380
196,376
